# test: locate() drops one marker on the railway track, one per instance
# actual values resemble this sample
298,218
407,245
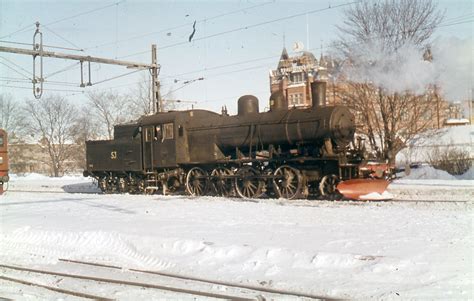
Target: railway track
296,202
179,286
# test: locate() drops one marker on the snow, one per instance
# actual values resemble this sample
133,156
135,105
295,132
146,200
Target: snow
352,250
468,175
375,196
428,172
460,137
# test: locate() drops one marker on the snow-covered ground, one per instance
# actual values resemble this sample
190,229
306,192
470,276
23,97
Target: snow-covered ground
351,250
419,149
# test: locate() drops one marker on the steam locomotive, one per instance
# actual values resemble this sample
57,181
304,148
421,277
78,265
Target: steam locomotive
285,152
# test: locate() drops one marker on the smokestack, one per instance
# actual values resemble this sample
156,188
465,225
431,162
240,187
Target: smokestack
278,101
318,93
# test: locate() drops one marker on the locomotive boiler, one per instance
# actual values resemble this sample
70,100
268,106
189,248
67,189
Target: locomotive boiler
285,152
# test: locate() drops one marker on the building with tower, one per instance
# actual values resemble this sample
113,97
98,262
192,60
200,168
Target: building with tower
294,75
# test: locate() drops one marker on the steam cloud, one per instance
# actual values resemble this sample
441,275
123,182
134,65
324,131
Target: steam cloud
405,70
454,69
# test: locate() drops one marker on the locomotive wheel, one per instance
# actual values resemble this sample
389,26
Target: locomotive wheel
108,184
122,185
103,184
287,182
328,184
196,182
222,185
141,184
247,183
172,184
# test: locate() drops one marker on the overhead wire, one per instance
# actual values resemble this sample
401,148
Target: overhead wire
115,77
62,38
18,31
70,67
44,46
54,83
178,26
14,64
16,71
221,66
248,27
461,19
45,89
202,20
85,13
63,19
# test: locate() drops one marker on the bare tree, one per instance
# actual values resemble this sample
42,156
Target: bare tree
11,117
52,118
84,128
141,99
389,120
375,38
392,23
109,109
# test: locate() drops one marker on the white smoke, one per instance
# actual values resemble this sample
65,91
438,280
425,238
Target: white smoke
454,69
405,70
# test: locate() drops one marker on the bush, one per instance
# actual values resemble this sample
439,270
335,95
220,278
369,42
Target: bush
455,161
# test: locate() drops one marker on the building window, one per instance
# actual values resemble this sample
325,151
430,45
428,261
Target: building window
296,99
296,77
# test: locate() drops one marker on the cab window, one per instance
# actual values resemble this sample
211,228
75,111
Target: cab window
158,132
1,141
148,133
168,130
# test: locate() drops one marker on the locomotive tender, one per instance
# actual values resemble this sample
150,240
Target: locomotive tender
284,152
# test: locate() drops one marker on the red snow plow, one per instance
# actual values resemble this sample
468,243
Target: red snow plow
364,189
371,186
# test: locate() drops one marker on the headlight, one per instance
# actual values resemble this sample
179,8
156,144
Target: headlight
1,160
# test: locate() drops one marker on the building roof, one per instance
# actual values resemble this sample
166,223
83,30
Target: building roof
284,57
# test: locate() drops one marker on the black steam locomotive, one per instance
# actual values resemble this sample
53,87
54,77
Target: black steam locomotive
281,153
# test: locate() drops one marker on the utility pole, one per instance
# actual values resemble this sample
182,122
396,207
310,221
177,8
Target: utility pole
155,88
38,51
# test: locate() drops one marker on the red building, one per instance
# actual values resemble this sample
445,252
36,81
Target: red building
294,75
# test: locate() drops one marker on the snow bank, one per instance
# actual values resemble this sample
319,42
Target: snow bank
38,182
469,175
461,137
428,172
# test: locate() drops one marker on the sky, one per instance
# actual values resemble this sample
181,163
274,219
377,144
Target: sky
235,43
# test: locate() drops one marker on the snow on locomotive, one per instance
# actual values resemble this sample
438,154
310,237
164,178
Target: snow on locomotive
285,152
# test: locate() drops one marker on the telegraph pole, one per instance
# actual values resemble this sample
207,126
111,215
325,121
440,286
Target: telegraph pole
38,51
155,83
